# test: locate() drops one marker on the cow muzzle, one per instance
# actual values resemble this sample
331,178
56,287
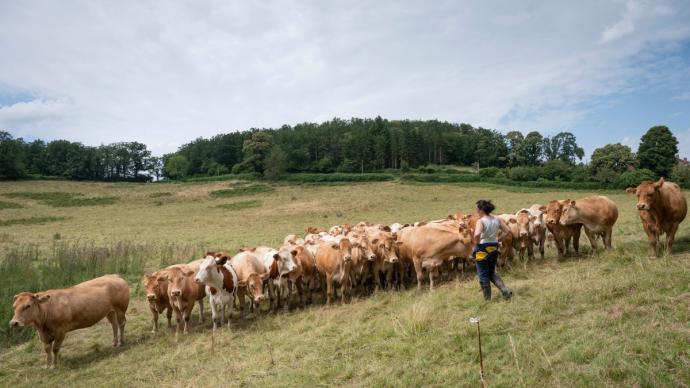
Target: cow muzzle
523,234
151,297
176,292
15,323
642,206
392,260
372,257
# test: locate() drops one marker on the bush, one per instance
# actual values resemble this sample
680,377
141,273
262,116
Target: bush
634,178
489,172
523,173
680,174
556,170
338,177
63,199
241,190
606,176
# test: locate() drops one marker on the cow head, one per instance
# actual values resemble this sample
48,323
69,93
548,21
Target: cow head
336,230
524,223
285,259
538,213
209,272
569,212
345,248
647,194
177,277
255,287
384,246
553,212
27,308
152,287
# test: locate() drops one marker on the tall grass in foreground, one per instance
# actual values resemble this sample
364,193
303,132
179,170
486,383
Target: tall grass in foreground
30,268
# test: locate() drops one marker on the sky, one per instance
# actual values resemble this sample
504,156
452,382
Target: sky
166,72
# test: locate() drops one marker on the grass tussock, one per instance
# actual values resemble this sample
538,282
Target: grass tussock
64,199
10,205
240,205
161,194
237,191
31,220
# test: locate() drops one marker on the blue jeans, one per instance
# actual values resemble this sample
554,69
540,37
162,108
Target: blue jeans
486,267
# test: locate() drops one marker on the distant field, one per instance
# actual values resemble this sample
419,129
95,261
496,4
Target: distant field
612,319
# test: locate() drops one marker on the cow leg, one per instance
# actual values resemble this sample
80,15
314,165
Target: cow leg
401,276
121,320
300,292
278,291
561,245
48,347
201,310
112,318
168,314
418,271
432,272
154,319
240,301
269,287
329,289
608,234
186,315
576,239
670,238
214,312
59,337
377,276
389,277
592,237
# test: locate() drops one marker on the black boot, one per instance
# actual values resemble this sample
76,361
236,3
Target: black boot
505,291
486,289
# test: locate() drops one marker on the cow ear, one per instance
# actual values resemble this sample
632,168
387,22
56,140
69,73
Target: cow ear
659,183
572,203
513,221
189,273
42,298
276,256
374,241
210,253
631,190
542,208
221,260
294,252
15,297
335,246
386,228
162,278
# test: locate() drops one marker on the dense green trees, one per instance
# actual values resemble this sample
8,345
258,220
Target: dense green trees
616,157
11,157
658,150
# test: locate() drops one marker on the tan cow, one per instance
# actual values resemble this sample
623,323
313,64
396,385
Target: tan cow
251,274
54,313
303,276
521,228
662,207
539,236
432,244
183,292
597,213
562,234
383,245
334,262
362,259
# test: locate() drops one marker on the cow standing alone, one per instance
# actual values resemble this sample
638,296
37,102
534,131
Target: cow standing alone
53,313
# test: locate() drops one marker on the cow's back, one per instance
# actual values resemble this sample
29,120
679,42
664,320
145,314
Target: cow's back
602,209
245,264
327,258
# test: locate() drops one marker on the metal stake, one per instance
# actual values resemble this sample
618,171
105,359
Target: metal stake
481,359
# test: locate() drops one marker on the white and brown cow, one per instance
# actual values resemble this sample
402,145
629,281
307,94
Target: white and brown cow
251,274
54,313
278,264
220,280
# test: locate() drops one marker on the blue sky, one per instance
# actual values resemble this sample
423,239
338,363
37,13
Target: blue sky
164,72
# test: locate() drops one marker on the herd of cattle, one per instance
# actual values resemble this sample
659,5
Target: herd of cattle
355,258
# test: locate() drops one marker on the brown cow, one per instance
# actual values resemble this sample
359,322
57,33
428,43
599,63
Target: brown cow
432,244
662,208
334,262
597,213
383,245
522,231
54,313
562,234
251,273
183,292
303,276
157,297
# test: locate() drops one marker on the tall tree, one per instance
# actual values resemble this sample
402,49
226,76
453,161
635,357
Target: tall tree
11,157
531,149
563,146
255,151
657,151
275,163
176,166
514,140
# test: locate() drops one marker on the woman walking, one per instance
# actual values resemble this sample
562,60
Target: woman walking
486,249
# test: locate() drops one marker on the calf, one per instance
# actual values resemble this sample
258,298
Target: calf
183,292
251,274
220,281
54,313
562,234
334,262
539,235
596,213
157,297
662,207
278,263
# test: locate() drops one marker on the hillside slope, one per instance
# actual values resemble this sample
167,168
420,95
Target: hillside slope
604,320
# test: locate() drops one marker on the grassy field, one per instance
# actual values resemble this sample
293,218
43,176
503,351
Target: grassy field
612,319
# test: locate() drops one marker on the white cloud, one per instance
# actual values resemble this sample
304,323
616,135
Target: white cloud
166,72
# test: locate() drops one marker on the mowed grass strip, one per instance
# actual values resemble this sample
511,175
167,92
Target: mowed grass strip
241,190
31,221
240,205
161,194
64,199
9,205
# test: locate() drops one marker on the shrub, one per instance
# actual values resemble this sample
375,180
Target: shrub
557,170
606,176
489,172
634,178
523,173
680,174
63,199
338,177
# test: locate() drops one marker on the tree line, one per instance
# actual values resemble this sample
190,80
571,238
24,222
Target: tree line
352,146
